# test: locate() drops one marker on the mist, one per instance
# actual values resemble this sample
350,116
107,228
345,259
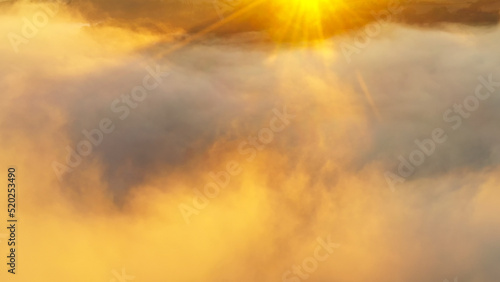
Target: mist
297,139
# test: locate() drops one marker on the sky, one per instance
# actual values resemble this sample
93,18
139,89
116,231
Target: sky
185,141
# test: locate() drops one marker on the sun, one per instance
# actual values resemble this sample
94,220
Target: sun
303,20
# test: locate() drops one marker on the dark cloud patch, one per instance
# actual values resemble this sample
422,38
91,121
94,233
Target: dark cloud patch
481,12
413,89
179,121
194,16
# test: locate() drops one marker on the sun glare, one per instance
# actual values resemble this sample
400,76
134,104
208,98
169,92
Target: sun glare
303,20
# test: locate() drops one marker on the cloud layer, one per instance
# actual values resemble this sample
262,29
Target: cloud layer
320,177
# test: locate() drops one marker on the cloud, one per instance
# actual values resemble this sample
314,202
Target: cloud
322,176
193,16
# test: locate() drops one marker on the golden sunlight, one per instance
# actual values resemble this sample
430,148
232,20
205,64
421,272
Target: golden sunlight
303,20
249,141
